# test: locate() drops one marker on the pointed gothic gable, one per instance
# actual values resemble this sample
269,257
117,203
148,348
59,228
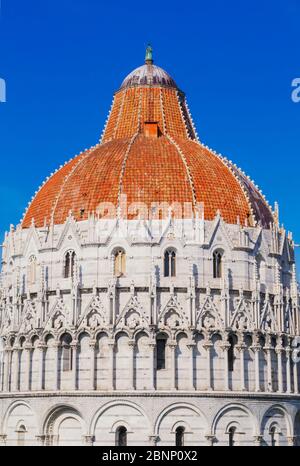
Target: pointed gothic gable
140,233
173,314
59,317
70,227
218,226
268,320
133,315
32,243
29,321
208,316
94,315
289,324
242,314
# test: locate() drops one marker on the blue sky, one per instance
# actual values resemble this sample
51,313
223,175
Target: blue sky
62,61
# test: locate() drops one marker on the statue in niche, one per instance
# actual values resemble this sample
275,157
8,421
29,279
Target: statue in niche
58,322
173,319
95,321
208,321
133,320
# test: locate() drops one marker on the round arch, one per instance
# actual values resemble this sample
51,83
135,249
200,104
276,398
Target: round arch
174,406
52,412
112,404
20,413
232,406
281,409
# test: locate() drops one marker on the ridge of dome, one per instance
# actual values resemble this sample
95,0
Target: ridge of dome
148,75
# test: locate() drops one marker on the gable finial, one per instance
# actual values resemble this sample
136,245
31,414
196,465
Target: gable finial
149,55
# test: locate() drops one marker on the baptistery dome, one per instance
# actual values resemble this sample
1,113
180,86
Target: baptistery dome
150,153
149,294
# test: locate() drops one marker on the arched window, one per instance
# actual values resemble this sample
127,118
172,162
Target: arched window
66,353
179,437
119,263
121,437
217,264
231,436
21,432
161,352
274,434
231,356
170,263
32,270
69,264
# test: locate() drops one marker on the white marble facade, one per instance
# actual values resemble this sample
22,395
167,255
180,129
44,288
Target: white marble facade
83,356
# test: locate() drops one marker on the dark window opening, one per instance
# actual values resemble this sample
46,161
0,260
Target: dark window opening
66,353
179,437
161,354
231,356
273,434
69,264
231,433
121,440
170,263
217,264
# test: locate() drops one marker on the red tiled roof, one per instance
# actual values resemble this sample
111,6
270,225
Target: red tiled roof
172,167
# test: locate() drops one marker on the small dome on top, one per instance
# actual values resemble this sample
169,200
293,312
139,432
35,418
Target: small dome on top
148,75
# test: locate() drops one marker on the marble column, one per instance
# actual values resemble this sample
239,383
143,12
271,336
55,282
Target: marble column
93,384
111,349
74,346
256,350
152,363
131,345
56,368
16,368
280,374
268,350
172,347
42,349
225,347
191,345
208,346
241,349
288,370
10,369
5,370
8,356
295,373
28,349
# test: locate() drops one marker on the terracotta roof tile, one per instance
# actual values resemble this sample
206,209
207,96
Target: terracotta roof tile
172,167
